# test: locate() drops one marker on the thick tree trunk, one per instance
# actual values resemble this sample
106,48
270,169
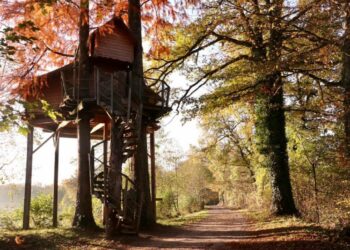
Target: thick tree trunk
272,143
270,118
83,214
83,217
136,29
346,84
141,156
114,180
142,181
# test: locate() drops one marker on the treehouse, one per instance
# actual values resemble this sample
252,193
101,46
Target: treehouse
107,93
108,90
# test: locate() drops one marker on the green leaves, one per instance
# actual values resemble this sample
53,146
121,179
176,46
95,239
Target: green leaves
49,111
13,36
13,111
9,115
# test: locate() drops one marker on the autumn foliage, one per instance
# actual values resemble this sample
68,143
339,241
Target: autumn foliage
39,36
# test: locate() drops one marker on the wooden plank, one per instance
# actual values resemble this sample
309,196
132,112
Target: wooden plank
63,124
97,127
112,94
55,180
42,144
28,180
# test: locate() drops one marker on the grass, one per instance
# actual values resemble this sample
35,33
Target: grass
265,220
44,238
70,238
60,238
296,227
185,219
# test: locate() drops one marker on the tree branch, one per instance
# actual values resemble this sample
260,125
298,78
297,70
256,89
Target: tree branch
57,52
232,40
210,73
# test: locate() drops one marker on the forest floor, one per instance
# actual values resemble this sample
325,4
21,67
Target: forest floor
222,228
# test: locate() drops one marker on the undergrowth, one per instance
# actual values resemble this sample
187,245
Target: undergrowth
184,219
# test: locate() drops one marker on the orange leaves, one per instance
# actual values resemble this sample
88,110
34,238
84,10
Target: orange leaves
53,25
56,29
159,17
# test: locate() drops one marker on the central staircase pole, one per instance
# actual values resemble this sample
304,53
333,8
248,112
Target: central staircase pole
114,180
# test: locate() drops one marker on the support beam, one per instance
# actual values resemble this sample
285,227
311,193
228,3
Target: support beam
28,180
153,173
105,159
97,127
55,180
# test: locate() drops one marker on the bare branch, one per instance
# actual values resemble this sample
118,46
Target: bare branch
189,92
232,40
57,52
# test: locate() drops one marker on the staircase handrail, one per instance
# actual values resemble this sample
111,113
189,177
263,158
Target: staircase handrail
162,89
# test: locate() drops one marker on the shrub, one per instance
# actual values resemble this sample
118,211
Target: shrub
11,220
97,209
41,210
193,204
167,207
66,213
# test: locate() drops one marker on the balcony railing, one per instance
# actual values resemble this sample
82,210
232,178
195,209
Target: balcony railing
162,89
112,90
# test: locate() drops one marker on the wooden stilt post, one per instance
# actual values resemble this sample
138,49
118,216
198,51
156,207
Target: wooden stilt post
105,159
28,180
153,173
55,180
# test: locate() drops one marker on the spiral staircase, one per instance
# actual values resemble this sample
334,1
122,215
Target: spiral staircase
121,102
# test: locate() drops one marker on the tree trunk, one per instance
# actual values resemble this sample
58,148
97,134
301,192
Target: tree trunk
136,29
114,180
141,156
142,181
270,118
83,212
346,84
83,217
272,143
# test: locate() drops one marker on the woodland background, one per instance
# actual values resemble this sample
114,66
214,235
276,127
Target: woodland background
306,46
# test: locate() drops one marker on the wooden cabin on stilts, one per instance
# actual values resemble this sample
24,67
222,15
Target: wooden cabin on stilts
116,111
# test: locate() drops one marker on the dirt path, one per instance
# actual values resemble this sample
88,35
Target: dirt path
222,229
228,229
221,226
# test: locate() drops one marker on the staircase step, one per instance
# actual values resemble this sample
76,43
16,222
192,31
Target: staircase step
131,146
128,232
130,137
129,131
99,182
